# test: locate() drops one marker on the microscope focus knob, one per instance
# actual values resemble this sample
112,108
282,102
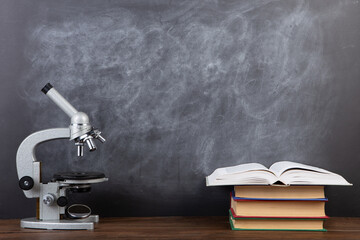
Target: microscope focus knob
62,201
26,183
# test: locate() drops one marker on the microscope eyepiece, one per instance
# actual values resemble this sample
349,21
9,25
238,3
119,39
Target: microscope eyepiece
46,88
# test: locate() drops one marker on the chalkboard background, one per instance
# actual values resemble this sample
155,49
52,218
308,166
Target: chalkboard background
180,88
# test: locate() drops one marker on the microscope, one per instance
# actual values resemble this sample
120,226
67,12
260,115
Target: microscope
53,210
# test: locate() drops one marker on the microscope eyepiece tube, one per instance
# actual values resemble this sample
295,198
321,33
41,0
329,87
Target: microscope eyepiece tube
59,100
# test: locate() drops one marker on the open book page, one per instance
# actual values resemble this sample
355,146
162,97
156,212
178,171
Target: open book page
304,177
300,174
222,172
242,168
243,174
279,168
289,173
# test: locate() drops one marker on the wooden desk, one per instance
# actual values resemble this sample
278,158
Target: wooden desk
177,228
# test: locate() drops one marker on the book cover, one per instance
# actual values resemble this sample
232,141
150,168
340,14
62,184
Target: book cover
232,194
233,214
279,191
278,208
275,224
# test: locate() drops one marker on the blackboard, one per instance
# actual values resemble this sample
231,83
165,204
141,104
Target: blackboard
180,88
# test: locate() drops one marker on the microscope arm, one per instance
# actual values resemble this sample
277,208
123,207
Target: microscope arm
26,163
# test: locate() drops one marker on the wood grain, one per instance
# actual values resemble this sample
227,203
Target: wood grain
177,228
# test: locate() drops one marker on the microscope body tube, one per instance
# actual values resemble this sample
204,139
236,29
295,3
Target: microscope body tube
59,100
80,128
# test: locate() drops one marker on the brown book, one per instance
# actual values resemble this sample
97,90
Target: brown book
279,208
276,224
280,192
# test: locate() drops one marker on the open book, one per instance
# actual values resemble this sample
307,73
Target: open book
284,172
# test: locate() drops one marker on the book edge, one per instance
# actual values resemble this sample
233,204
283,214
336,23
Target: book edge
234,216
240,199
260,229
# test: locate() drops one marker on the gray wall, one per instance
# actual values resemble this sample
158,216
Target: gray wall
180,88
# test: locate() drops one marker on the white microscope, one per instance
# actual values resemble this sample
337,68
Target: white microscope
53,211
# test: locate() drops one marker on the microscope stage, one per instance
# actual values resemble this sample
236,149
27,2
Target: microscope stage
79,177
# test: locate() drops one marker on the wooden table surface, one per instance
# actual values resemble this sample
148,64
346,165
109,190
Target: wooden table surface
177,228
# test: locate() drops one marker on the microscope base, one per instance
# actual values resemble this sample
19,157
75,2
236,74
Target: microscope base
63,224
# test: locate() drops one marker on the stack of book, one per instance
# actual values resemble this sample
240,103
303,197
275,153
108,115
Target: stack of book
287,196
277,208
